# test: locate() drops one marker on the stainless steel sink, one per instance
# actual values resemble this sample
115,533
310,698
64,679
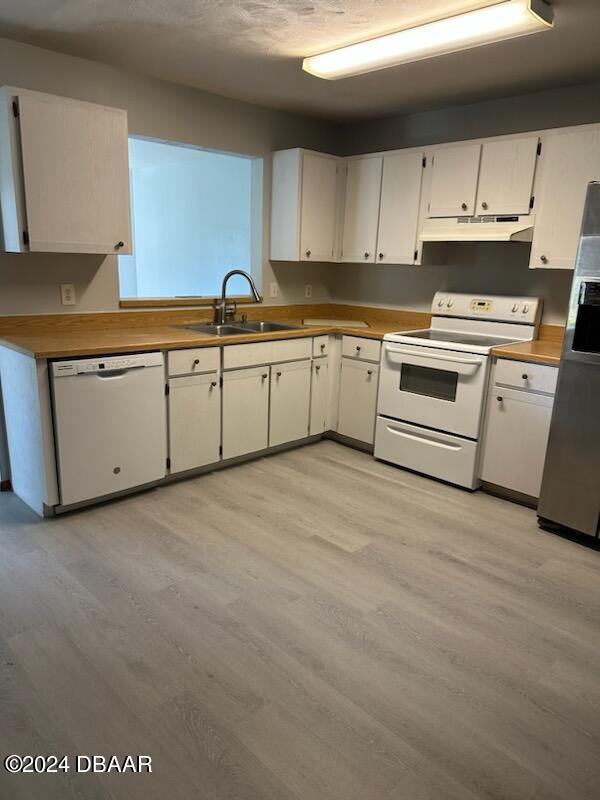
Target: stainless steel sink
217,330
264,326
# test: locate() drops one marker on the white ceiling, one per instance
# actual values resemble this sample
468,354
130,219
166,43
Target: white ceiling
252,49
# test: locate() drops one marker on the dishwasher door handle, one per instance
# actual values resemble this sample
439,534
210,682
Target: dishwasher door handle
112,373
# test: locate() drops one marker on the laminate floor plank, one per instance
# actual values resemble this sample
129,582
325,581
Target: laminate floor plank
314,625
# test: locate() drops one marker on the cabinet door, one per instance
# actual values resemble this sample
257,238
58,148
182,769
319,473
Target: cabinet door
75,175
358,400
318,207
361,209
194,421
454,181
506,176
245,411
319,396
399,210
290,402
516,439
569,162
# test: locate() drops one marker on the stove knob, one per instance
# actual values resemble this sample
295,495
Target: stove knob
441,302
450,303
525,309
515,308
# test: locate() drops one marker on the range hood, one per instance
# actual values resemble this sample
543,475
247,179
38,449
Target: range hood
479,229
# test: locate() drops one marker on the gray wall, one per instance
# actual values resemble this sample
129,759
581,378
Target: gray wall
166,111
162,110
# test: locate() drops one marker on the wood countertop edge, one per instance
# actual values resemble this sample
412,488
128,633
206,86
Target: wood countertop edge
510,353
19,341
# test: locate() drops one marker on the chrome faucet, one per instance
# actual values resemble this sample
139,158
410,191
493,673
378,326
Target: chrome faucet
221,312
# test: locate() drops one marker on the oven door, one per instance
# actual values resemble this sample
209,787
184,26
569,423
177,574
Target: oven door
440,389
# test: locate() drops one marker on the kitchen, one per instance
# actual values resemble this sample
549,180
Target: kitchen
371,407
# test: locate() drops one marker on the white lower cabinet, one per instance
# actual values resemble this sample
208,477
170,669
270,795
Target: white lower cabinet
319,396
358,400
290,402
194,421
245,411
517,428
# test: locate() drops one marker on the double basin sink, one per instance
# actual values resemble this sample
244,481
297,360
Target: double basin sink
236,328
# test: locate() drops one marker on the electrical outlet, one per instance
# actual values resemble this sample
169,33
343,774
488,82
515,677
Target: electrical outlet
308,290
274,289
67,294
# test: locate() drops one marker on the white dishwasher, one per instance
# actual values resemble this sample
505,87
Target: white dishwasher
109,424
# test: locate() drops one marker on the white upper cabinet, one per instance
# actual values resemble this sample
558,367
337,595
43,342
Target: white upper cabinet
304,206
570,160
454,181
399,208
361,209
506,176
65,186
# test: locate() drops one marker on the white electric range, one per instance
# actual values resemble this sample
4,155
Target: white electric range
433,383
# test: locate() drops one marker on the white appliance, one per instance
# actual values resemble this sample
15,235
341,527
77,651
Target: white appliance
507,228
433,383
109,423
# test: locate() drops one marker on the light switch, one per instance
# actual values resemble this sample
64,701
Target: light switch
67,294
274,289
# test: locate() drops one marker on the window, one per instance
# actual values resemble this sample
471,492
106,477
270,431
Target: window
195,215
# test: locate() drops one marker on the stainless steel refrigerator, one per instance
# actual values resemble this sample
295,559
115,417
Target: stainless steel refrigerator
570,495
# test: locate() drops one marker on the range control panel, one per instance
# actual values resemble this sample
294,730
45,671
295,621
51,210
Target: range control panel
497,308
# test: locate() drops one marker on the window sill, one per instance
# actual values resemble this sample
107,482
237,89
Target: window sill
170,302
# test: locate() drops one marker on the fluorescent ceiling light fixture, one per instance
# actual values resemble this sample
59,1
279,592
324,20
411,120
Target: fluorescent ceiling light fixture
505,20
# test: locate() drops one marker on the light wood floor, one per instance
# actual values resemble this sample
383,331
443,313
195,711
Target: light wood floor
311,626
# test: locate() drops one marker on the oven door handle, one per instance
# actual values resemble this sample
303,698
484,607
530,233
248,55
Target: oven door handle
435,356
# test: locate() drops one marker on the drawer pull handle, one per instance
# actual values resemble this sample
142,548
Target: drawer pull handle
525,376
358,348
499,399
196,362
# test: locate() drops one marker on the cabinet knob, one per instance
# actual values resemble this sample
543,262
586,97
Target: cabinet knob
381,255
367,255
308,252
369,372
279,374
196,362
544,259
322,347
484,205
119,245
213,384
317,367
358,348
464,206
264,376
499,399
525,376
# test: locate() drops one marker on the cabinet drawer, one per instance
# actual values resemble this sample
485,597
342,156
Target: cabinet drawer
320,346
248,355
524,375
363,349
196,359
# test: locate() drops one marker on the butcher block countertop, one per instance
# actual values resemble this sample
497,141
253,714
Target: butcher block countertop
68,335
545,350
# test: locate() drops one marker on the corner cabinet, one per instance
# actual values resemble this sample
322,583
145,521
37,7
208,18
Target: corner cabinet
65,184
304,206
361,209
397,237
570,160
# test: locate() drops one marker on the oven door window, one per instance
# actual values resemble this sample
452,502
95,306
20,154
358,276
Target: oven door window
438,383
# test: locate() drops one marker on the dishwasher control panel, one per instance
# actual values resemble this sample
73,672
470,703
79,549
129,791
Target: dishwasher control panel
81,366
